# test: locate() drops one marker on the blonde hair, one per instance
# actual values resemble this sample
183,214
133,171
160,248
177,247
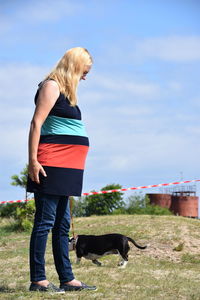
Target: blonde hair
69,71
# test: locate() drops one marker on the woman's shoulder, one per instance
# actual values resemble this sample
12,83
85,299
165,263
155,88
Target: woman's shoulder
48,87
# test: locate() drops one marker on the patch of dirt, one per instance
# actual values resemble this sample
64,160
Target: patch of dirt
162,246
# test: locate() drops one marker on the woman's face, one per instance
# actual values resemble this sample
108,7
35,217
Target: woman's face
85,72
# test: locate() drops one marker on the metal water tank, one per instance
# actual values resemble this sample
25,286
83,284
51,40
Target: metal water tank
163,200
186,206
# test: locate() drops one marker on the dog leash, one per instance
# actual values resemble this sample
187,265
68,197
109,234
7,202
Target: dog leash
72,222
71,216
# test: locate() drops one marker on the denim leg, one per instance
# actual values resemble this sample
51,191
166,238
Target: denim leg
44,220
60,235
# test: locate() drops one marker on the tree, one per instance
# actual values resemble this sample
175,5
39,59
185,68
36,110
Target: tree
21,180
137,203
79,207
104,204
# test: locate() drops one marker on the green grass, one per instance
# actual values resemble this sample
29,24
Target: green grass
159,272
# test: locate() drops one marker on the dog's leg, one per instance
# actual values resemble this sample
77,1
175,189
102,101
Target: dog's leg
124,263
96,262
123,260
123,252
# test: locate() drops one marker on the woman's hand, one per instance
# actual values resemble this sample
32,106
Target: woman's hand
34,169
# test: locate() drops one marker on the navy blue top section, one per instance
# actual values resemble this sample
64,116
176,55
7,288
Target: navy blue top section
62,107
64,139
58,182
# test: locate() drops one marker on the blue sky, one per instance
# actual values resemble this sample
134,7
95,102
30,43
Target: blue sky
141,101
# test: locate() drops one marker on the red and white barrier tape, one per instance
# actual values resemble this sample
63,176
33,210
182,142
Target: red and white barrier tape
139,187
118,190
14,201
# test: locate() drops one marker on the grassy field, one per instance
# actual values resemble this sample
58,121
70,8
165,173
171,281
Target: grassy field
158,272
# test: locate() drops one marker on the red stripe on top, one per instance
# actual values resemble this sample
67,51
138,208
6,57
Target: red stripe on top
63,156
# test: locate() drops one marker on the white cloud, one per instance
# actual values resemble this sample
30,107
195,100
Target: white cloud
169,48
43,11
174,86
105,86
50,10
136,111
135,88
18,84
196,102
14,145
5,25
193,130
130,151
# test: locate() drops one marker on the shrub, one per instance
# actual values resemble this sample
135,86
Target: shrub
140,204
119,211
8,210
23,214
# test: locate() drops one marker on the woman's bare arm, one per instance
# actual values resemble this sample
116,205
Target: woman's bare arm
48,95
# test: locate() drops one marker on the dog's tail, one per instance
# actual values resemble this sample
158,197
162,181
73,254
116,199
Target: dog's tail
134,243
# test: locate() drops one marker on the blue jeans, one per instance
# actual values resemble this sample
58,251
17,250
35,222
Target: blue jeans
52,212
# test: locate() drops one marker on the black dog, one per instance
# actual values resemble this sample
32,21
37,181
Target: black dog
95,246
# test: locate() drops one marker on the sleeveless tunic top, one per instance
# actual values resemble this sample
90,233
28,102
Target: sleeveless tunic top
62,150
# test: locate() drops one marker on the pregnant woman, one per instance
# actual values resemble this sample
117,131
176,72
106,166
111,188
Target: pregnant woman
58,145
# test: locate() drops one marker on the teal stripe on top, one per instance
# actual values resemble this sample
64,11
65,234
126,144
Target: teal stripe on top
57,125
